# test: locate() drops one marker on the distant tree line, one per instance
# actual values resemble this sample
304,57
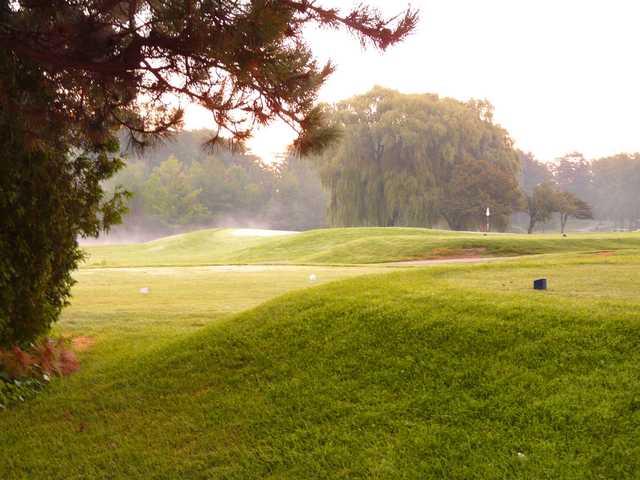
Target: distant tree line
401,160
179,185
423,160
572,186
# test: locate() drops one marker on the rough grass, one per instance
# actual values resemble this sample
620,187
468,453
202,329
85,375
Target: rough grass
345,246
447,372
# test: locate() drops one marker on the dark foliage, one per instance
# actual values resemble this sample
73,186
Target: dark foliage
74,72
48,196
46,200
121,62
475,186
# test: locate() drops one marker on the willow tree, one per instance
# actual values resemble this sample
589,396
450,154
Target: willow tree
75,72
410,160
616,185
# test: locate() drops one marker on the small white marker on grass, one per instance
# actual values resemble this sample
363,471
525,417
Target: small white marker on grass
313,278
144,290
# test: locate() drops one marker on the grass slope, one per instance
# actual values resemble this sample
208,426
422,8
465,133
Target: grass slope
427,373
107,305
344,246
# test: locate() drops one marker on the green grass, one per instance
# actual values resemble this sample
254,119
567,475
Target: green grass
604,276
345,246
108,306
457,372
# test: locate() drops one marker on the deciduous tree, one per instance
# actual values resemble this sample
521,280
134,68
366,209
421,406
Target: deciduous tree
572,173
616,185
170,195
541,204
74,72
533,172
406,160
475,186
569,205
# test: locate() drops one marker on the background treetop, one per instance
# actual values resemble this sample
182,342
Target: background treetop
114,63
409,160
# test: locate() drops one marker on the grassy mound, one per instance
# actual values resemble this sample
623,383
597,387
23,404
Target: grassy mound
416,374
344,246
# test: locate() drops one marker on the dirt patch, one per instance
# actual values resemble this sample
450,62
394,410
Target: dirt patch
606,253
438,253
81,344
445,261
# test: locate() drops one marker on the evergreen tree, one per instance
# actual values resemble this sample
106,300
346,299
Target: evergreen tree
113,63
49,195
74,72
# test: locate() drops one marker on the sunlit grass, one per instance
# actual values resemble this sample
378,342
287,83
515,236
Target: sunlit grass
601,276
460,372
345,246
108,307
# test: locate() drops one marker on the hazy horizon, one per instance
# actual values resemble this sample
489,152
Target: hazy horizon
561,75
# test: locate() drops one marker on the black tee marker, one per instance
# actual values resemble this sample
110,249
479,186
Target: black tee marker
540,284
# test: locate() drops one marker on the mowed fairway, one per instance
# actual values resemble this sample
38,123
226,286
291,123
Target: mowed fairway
450,371
109,308
344,246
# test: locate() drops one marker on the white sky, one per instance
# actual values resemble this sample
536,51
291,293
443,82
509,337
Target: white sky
563,75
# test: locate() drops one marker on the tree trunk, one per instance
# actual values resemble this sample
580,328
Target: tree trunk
563,222
532,223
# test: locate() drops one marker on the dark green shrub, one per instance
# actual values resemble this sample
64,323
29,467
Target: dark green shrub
49,196
47,199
